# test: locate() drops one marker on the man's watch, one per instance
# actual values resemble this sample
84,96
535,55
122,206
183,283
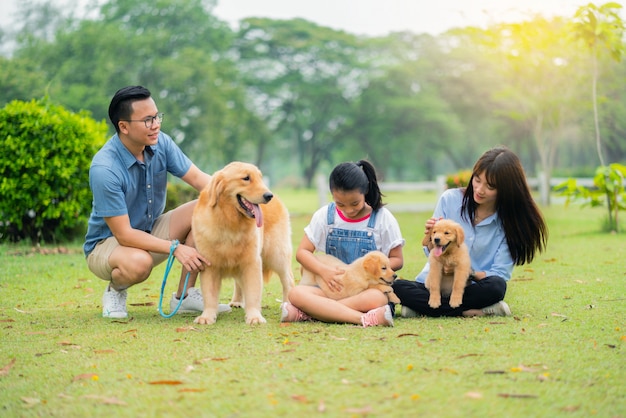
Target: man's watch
472,274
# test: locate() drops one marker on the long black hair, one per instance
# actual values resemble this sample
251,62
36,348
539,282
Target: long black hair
524,226
360,175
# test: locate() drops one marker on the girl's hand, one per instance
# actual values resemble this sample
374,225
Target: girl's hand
332,276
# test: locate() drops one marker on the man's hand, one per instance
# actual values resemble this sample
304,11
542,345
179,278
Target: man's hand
190,258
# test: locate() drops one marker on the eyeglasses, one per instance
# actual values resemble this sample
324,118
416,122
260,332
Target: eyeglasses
149,121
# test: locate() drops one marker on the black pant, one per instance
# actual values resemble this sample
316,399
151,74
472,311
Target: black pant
478,295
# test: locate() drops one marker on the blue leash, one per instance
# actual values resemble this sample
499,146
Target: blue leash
168,267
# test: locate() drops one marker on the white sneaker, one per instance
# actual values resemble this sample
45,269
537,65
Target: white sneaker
193,303
407,312
114,303
498,309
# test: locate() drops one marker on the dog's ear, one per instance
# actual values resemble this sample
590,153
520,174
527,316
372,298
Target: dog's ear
215,188
426,241
460,235
371,264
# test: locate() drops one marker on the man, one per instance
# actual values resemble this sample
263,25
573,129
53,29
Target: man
128,233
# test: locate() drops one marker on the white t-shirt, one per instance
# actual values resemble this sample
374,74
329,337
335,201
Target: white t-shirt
387,233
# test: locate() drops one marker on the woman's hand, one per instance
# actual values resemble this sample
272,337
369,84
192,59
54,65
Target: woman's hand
430,223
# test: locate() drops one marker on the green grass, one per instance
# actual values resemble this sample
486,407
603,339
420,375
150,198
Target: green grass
560,355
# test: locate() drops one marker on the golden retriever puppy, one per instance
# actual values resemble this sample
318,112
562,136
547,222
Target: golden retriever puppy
448,250
244,232
370,271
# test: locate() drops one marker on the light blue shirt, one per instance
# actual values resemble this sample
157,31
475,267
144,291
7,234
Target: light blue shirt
486,241
123,185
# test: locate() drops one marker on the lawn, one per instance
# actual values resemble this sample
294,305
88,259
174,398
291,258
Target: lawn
560,355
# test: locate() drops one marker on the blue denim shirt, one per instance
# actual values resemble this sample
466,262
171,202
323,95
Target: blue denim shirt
123,185
486,241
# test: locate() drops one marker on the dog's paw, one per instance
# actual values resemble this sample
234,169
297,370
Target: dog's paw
237,304
205,319
255,320
455,301
434,303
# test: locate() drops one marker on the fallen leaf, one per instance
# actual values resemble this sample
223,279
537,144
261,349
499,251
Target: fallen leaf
143,304
191,390
572,408
108,351
85,376
6,369
516,395
332,337
468,355
30,401
7,320
185,329
406,334
474,395
21,311
106,400
300,398
166,382
321,407
364,410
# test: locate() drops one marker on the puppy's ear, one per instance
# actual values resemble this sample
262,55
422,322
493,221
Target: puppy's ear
215,188
460,235
426,241
371,264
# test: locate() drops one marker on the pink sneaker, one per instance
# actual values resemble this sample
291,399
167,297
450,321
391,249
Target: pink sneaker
292,314
379,316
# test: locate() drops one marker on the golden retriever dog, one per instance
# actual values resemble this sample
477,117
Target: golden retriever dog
244,232
448,250
370,271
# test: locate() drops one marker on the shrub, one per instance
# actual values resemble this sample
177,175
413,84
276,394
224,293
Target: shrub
179,193
45,153
459,179
609,189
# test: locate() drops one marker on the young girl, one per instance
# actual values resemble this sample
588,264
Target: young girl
503,228
354,224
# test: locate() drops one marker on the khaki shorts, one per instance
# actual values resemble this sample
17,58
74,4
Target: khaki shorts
98,259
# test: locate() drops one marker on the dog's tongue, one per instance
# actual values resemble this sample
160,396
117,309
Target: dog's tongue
437,251
258,215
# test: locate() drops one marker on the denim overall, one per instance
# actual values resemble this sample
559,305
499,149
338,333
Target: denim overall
349,245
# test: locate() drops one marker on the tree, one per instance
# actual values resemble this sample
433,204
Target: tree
540,88
301,78
601,29
181,55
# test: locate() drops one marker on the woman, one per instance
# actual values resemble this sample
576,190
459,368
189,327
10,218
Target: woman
503,228
354,224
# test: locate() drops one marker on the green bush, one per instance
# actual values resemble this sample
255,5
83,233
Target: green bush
179,193
609,188
45,153
459,179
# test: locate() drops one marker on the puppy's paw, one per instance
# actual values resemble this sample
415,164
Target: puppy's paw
434,302
236,304
455,301
205,319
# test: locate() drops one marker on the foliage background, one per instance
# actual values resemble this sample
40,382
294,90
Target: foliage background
296,98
